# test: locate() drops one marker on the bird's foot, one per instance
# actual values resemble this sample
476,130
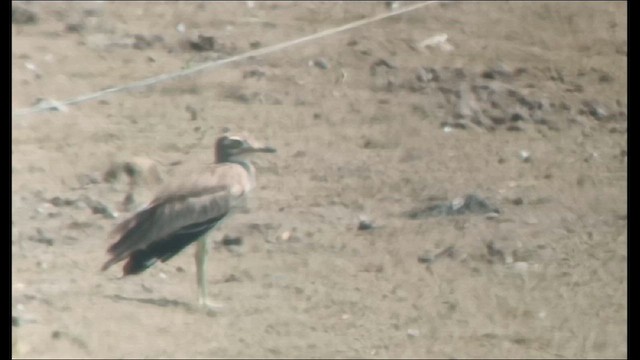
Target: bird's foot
209,305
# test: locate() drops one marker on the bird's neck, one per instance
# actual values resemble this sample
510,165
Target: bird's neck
247,166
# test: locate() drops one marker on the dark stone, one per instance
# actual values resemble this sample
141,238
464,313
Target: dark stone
60,202
41,238
596,110
141,42
75,27
98,207
203,43
255,73
23,16
516,116
321,63
231,241
365,224
494,252
496,72
471,204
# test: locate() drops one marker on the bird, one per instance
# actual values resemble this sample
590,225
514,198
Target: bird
186,210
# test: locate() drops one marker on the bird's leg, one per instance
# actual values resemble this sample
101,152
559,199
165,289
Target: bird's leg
202,250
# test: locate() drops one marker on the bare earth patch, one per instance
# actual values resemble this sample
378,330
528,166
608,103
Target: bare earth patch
358,241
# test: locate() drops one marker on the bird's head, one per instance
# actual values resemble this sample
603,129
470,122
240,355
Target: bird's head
230,148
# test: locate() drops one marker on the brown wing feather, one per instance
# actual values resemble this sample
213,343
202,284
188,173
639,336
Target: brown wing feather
212,194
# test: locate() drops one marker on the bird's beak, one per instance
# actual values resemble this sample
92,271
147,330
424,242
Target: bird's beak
262,149
265,149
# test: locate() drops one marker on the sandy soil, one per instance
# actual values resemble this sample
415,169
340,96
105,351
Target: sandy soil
524,107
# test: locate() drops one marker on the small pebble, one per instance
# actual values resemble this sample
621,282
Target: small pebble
426,258
457,203
320,63
364,223
231,241
285,236
525,156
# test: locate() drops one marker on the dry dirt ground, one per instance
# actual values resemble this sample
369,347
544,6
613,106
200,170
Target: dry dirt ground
523,106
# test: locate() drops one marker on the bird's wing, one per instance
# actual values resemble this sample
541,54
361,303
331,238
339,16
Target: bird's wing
199,197
167,215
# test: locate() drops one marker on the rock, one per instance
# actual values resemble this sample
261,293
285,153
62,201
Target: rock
525,156
320,63
142,42
496,116
439,41
426,258
596,110
23,16
203,43
495,253
57,201
499,71
97,207
605,78
193,112
470,204
429,258
392,5
364,223
427,74
75,27
231,240
516,116
82,225
41,238
285,236
255,73
449,126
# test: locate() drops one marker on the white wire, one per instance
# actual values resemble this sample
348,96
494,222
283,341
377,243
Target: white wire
50,105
